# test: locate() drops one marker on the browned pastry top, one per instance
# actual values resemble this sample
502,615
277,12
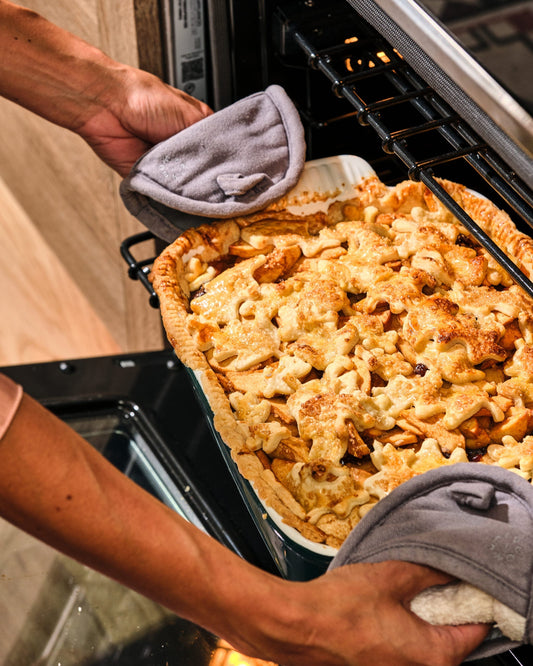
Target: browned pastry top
344,352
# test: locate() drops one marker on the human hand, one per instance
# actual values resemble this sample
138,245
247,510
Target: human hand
359,615
119,110
138,110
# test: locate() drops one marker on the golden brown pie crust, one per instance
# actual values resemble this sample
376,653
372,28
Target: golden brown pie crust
344,352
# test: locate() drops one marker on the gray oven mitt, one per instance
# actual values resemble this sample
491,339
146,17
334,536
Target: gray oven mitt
472,521
234,162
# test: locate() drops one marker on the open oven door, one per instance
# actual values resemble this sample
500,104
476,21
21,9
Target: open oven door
140,413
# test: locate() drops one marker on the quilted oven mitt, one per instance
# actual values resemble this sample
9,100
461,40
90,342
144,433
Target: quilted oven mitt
472,521
234,162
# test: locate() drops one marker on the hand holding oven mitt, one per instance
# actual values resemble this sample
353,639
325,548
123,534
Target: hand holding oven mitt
234,162
473,522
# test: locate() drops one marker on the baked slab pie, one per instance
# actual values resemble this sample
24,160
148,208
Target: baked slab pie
344,351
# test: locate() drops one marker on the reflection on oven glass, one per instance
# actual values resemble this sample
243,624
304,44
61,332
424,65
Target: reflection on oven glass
225,655
499,33
56,612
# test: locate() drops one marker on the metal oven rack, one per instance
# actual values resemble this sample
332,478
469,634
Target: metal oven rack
140,269
412,122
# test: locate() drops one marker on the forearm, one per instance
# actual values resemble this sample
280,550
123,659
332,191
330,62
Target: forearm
57,487
54,485
121,111
50,71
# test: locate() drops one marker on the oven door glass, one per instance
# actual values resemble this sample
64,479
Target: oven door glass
56,612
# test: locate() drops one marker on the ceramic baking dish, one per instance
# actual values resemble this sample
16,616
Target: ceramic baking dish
322,182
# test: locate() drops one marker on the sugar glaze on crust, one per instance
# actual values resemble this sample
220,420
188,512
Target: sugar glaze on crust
344,352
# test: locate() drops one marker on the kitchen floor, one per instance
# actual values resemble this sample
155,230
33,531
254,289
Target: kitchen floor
46,317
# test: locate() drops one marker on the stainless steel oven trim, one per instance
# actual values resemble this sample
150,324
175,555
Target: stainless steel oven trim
436,40
432,51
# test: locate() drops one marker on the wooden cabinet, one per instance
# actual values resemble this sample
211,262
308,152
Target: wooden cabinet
65,217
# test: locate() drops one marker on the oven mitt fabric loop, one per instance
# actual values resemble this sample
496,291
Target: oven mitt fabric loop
473,522
231,163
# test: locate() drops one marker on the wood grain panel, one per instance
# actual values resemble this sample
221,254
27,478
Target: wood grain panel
150,49
45,315
70,196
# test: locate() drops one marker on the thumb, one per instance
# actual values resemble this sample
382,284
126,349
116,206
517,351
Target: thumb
462,640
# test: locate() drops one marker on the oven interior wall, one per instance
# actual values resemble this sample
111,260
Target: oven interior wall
331,124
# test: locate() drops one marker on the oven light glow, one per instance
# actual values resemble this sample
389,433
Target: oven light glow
348,65
236,659
351,40
383,56
225,655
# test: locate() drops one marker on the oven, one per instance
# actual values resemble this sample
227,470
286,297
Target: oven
419,89
56,611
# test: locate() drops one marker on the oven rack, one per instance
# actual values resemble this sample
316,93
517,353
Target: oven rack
358,68
363,64
140,269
